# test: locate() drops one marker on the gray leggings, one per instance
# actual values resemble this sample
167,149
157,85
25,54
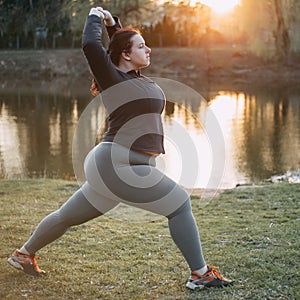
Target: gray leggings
115,174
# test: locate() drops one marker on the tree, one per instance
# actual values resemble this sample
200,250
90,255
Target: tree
282,40
11,22
76,12
133,12
3,22
272,27
291,14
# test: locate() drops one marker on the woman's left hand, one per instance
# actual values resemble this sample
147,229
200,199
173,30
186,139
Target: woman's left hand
108,18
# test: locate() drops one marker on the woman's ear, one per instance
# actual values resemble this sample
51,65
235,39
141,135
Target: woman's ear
126,56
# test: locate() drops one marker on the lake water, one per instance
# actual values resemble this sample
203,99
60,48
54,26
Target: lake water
260,130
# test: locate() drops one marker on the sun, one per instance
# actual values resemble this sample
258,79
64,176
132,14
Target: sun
219,6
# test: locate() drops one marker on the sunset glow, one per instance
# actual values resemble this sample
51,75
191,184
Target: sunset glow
219,6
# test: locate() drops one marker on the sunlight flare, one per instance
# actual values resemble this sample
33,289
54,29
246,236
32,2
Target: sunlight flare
218,6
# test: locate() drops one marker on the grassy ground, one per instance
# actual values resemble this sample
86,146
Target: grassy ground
253,233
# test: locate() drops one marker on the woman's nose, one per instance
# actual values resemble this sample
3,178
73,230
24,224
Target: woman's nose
148,50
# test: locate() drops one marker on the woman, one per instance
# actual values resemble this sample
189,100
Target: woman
122,167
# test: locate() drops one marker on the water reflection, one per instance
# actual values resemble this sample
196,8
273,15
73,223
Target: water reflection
39,129
261,131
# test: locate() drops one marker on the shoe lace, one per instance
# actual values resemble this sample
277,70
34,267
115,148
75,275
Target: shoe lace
215,272
33,259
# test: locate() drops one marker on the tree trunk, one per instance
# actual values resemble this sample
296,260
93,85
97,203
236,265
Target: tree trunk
73,40
282,40
54,41
18,42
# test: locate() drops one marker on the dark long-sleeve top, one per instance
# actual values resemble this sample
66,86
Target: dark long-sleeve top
133,102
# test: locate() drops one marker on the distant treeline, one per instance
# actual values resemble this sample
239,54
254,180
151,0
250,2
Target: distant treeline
269,27
59,24
162,34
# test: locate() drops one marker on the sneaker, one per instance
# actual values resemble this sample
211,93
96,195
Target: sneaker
212,278
26,263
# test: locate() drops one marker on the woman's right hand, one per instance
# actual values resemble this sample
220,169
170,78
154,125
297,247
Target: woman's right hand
95,11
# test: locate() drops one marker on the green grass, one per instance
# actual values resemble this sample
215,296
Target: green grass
252,233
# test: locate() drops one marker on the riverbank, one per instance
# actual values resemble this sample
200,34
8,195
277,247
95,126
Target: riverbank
225,65
252,235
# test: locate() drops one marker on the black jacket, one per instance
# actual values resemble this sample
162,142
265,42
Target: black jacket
133,102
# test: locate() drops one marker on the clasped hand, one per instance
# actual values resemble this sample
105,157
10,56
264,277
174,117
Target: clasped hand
103,14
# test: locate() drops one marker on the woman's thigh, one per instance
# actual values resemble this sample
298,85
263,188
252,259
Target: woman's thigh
132,178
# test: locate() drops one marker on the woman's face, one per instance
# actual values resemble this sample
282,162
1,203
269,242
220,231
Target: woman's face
139,52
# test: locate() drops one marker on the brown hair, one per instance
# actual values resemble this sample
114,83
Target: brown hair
119,43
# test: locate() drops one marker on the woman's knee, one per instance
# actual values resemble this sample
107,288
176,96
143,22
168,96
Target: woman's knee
184,208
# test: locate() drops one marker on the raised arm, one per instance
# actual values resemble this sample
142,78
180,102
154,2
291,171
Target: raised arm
99,61
112,23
